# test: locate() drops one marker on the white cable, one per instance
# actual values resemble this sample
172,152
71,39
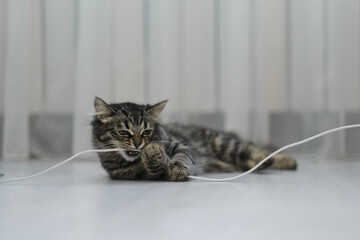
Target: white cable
194,177
276,152
63,162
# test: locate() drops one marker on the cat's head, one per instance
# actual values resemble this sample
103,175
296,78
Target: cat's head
125,125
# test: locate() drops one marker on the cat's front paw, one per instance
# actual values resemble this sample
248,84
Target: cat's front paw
178,171
154,159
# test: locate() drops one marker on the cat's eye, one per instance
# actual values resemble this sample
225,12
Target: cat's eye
124,133
146,133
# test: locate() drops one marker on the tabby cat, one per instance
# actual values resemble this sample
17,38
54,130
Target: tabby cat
155,151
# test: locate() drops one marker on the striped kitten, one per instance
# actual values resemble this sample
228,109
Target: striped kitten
171,152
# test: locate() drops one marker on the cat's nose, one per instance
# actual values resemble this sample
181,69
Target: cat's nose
137,142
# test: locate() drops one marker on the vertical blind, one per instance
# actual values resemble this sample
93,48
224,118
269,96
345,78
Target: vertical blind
273,71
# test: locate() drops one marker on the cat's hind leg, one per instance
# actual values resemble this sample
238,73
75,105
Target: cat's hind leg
251,156
283,162
242,154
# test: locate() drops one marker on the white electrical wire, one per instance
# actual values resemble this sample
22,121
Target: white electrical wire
62,163
194,177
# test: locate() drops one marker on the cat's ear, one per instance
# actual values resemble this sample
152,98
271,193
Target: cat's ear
156,109
103,111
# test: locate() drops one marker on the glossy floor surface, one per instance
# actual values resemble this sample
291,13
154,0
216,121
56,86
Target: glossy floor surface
321,200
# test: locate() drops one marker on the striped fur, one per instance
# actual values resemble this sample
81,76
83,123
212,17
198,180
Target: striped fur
169,151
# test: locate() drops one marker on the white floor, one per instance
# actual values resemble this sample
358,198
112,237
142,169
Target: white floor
321,200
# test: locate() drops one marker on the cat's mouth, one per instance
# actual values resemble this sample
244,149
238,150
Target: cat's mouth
132,153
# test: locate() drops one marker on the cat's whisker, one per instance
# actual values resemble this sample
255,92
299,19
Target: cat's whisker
161,141
105,146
